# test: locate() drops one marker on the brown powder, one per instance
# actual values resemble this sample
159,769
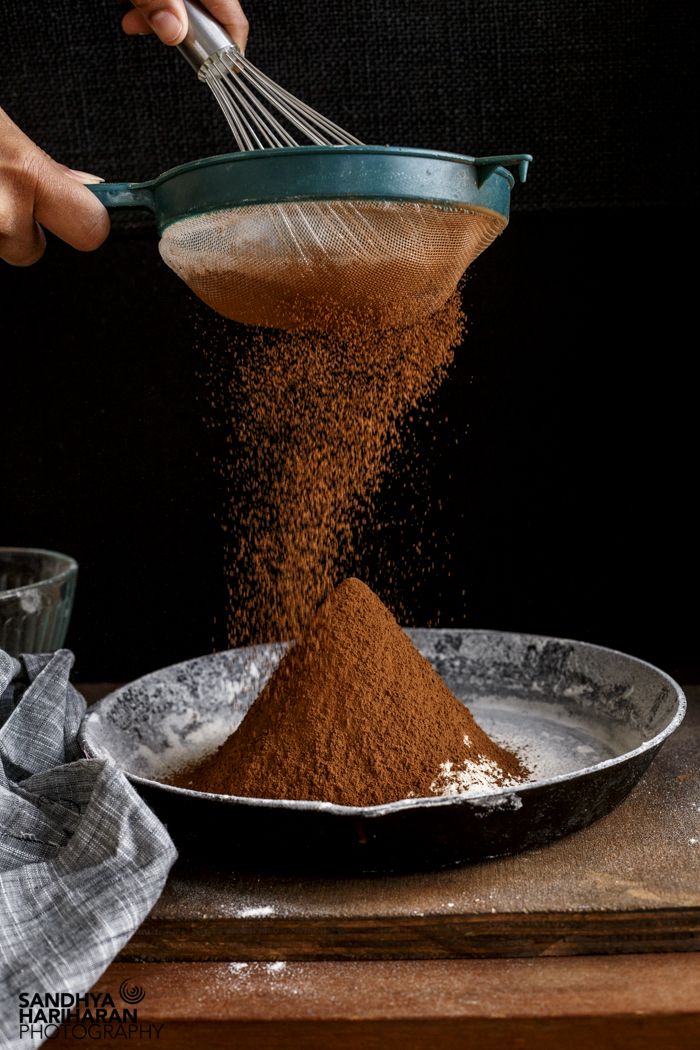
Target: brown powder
385,262
354,715
311,420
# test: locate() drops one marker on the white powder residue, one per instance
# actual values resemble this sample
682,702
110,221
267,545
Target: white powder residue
278,976
183,739
251,969
491,802
255,913
469,776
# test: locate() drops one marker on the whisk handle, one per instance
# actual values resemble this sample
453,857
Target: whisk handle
124,194
205,36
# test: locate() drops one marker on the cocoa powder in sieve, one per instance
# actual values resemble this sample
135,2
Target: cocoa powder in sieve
356,716
385,262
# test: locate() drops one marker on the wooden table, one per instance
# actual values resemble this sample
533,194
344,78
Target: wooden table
593,938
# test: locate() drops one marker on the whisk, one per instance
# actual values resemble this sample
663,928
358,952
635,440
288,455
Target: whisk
245,93
305,226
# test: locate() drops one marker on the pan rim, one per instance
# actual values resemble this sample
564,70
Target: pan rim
477,800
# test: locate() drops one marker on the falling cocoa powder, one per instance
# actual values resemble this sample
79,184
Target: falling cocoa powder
311,420
354,715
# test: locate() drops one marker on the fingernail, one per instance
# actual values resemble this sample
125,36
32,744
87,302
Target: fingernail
167,25
83,176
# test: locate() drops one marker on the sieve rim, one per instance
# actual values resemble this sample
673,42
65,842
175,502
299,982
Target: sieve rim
245,156
331,173
321,173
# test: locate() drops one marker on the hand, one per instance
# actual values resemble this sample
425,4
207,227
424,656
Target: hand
168,19
35,189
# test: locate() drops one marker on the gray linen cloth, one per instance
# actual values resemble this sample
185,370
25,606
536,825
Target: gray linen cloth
82,857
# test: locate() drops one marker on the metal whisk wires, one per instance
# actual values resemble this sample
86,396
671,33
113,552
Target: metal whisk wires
246,96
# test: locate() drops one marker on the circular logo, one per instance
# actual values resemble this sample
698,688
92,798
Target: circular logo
131,995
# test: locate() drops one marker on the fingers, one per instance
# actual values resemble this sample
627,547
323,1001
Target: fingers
135,24
22,242
230,14
168,19
25,242
34,189
64,205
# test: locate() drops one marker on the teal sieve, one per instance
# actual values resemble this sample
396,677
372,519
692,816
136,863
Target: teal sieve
320,235
303,173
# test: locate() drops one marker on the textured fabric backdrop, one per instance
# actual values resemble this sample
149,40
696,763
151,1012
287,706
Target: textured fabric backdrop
552,463
595,89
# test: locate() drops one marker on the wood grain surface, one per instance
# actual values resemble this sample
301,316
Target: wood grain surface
647,1001
628,883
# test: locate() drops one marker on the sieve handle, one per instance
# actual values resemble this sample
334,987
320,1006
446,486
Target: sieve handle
124,194
521,161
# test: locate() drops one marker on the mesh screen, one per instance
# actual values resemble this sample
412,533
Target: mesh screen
315,263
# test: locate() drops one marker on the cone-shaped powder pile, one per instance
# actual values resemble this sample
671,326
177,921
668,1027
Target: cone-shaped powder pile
354,715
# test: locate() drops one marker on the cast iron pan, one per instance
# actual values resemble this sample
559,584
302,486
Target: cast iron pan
587,720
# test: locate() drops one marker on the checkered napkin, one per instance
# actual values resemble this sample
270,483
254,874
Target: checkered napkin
82,858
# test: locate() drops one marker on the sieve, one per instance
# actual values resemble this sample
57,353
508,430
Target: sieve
307,236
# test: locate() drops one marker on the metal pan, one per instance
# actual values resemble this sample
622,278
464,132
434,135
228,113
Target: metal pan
587,720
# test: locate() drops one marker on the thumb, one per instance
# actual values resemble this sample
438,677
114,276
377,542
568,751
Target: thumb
166,18
64,205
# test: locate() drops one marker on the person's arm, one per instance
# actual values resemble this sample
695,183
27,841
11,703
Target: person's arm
36,191
168,19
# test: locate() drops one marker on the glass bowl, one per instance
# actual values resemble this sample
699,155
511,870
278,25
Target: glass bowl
36,599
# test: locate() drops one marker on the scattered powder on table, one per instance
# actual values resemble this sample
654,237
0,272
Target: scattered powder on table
354,715
310,420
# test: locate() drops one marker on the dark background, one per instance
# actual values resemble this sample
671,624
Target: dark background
557,470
